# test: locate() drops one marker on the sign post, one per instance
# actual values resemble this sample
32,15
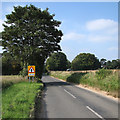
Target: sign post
31,72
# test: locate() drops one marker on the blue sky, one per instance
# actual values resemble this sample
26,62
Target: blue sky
88,27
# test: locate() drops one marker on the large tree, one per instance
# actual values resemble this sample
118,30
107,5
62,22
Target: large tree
57,62
85,61
31,35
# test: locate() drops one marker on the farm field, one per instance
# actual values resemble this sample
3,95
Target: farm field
8,80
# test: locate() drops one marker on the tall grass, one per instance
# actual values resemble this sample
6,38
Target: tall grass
9,80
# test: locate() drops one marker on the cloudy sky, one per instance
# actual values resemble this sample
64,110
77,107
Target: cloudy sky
88,27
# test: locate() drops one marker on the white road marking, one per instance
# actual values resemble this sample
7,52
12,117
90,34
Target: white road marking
60,86
69,93
95,113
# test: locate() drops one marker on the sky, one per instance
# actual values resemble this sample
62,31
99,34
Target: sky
88,27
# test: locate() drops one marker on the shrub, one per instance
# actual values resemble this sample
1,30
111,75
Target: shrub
75,77
102,73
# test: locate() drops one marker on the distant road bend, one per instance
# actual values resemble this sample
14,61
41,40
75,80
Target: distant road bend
63,100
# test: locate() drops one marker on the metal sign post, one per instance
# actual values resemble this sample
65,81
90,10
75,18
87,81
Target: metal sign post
29,79
33,79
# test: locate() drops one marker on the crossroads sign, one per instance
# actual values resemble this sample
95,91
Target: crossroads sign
31,71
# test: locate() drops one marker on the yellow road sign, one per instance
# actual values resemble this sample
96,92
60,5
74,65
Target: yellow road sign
31,71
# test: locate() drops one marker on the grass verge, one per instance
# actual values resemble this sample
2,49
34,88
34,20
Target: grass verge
19,99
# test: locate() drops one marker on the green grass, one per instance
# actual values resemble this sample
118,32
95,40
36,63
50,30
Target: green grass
19,99
103,79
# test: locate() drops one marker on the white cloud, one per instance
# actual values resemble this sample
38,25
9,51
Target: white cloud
73,36
102,30
101,24
101,38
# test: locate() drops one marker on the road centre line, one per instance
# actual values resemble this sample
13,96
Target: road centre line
95,113
69,93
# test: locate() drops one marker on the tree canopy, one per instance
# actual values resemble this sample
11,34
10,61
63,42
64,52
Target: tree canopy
31,35
85,61
114,64
103,62
57,62
10,66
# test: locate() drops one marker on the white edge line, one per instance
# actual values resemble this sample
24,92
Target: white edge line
95,113
69,93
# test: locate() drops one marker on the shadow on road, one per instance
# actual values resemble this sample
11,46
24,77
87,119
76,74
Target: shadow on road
48,84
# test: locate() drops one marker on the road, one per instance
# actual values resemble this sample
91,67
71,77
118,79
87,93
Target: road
63,100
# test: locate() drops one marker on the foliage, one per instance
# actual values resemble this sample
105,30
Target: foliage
10,66
75,77
85,61
57,62
103,62
68,64
114,64
102,73
31,35
18,100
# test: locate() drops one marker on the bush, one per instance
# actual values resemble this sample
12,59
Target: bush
102,73
75,77
24,72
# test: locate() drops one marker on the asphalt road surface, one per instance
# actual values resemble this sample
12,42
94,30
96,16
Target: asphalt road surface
63,100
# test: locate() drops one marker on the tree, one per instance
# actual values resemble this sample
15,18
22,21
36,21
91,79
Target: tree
68,64
103,62
85,61
108,64
114,64
57,61
10,66
31,35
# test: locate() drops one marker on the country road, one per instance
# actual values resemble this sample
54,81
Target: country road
63,100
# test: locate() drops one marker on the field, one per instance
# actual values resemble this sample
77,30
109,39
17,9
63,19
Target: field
9,80
18,97
105,80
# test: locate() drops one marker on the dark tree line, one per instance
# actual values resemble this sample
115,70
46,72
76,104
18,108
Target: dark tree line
83,61
114,64
59,62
